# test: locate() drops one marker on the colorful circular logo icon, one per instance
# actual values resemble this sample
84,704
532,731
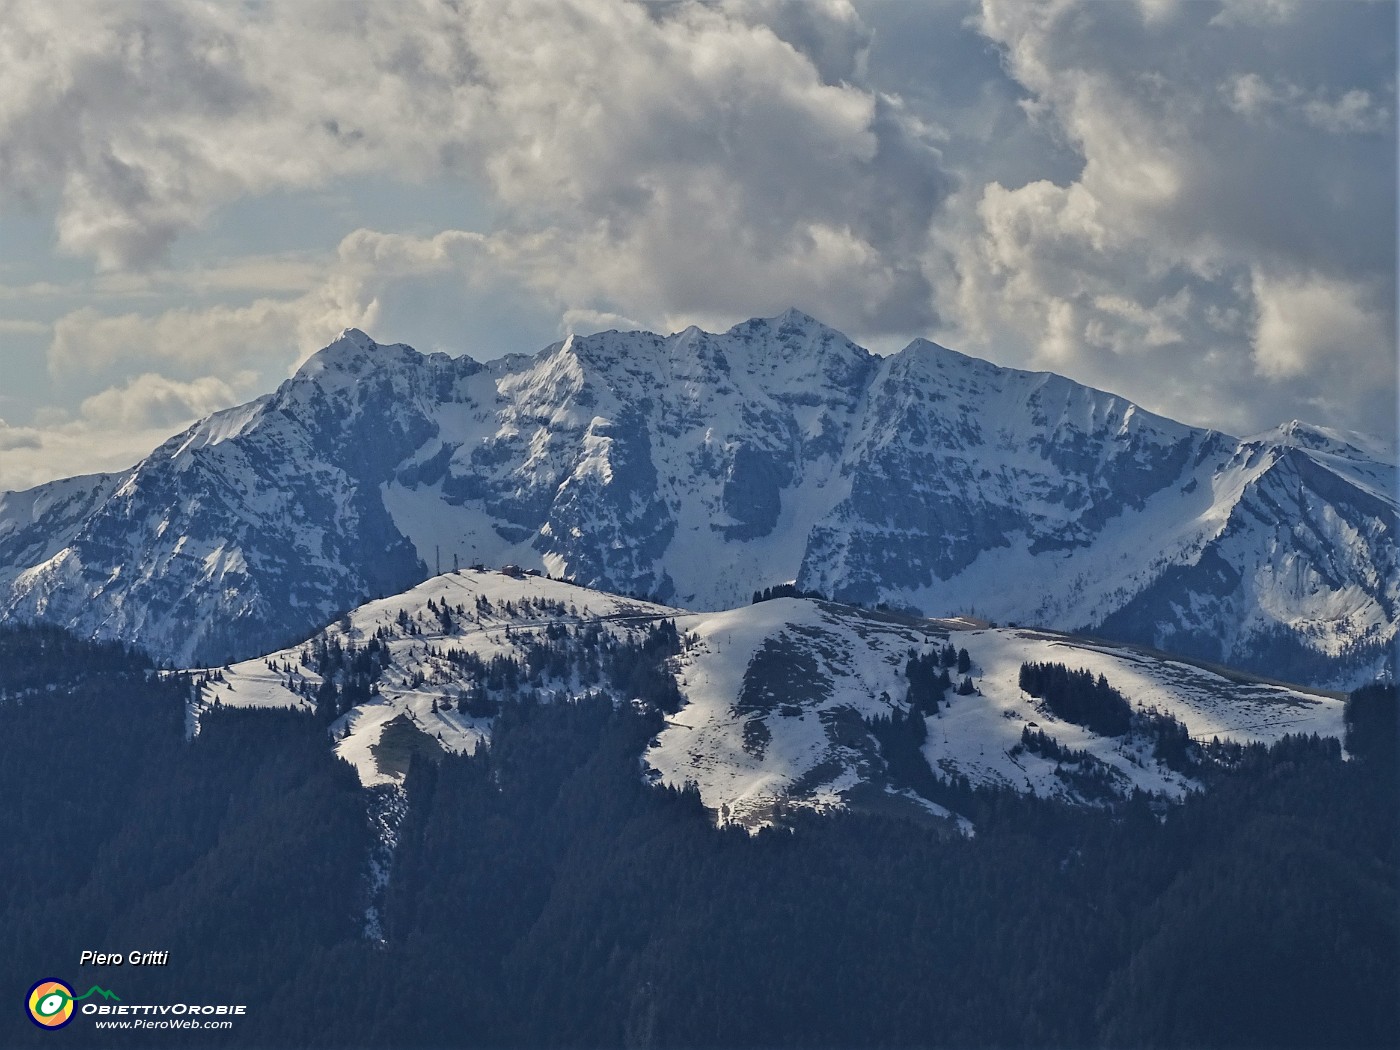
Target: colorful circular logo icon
50,1003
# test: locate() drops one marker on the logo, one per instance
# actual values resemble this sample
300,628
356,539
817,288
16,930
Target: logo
51,1002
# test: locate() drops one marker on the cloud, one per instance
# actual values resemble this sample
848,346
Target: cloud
1307,319
1127,193
1225,253
455,290
138,377
52,449
115,427
78,114
666,154
291,272
13,326
266,335
33,290
13,438
1354,112
587,322
151,400
1254,12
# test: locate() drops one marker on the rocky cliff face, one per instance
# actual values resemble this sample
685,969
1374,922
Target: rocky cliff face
699,467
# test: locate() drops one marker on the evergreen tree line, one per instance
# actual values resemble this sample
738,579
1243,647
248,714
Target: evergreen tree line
628,921
583,656
1171,740
543,895
785,590
1078,697
38,657
1038,742
348,673
929,682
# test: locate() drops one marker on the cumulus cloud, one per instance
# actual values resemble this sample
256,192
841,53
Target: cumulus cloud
1192,204
53,448
12,438
152,400
267,334
652,142
1353,112
14,326
1226,252
456,290
1309,319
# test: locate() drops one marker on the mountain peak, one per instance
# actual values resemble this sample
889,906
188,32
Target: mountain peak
790,322
796,337
351,355
928,346
350,343
1297,433
793,316
700,466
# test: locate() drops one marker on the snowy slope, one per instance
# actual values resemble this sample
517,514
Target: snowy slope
1209,705
698,467
827,663
776,695
276,680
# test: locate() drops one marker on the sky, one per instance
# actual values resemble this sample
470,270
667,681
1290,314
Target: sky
1192,204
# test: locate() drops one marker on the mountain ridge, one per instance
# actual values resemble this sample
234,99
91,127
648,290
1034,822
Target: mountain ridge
700,466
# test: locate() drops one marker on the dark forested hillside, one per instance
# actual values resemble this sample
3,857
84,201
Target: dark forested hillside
241,853
543,895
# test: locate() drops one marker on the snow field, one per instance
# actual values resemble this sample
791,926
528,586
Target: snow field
776,694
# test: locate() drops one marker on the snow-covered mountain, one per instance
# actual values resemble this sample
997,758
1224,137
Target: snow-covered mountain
699,467
776,697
